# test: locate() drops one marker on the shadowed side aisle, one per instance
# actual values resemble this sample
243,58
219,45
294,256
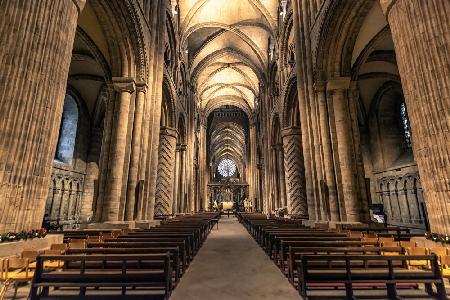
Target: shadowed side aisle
231,265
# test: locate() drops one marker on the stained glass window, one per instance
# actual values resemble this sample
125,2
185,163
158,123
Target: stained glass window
227,168
405,124
67,131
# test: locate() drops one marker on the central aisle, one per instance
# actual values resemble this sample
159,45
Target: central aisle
232,266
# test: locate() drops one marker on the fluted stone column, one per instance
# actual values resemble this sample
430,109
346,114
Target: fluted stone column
176,180
281,175
295,172
124,88
92,173
155,81
421,34
64,208
338,89
253,194
164,181
141,90
303,79
37,39
203,168
330,180
183,179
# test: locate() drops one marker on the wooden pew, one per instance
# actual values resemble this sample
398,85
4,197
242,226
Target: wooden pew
188,246
283,244
173,251
295,254
311,274
116,273
183,257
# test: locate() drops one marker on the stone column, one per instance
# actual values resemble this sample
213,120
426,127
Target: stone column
164,181
330,179
253,157
92,173
155,101
124,87
176,180
281,173
64,208
421,34
273,178
141,89
338,88
57,200
37,40
203,164
303,78
183,179
295,172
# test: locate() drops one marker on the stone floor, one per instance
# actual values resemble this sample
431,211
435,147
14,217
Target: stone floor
231,266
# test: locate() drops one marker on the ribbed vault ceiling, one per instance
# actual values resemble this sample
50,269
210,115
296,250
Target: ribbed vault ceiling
228,43
228,141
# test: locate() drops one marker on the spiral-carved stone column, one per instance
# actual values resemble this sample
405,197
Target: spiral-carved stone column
295,172
421,34
164,181
37,39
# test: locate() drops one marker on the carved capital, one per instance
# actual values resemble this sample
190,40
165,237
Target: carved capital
339,83
124,84
168,131
141,87
291,131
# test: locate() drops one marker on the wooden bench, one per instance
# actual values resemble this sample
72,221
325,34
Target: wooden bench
184,260
121,275
188,247
295,254
285,244
311,274
173,251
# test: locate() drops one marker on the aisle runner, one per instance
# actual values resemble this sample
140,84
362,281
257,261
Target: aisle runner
231,266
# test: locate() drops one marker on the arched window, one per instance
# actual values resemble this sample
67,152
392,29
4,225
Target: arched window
405,125
67,131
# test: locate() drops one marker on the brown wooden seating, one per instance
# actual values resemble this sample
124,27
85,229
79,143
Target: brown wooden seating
173,251
130,276
295,254
311,274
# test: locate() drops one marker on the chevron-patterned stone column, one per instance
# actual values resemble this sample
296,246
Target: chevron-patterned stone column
294,168
166,168
421,34
37,39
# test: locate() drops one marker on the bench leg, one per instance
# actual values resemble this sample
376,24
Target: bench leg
349,291
441,292
392,291
429,289
4,289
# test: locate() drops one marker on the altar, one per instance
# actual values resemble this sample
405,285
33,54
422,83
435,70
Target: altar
228,192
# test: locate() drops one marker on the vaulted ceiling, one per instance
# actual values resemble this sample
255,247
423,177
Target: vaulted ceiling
228,44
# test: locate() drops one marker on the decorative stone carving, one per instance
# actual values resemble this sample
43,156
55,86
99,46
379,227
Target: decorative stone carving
164,181
295,172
